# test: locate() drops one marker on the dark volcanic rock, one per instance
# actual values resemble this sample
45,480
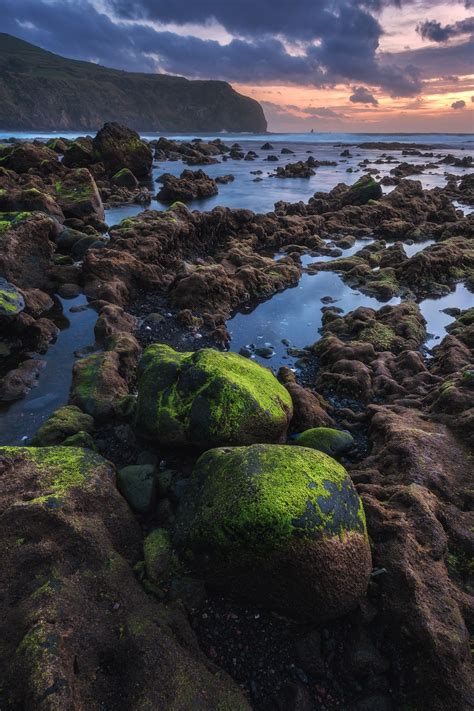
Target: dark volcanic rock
191,185
119,147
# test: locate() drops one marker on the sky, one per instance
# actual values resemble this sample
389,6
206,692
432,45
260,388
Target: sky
326,65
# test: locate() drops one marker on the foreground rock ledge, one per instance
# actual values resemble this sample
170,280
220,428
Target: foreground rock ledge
77,631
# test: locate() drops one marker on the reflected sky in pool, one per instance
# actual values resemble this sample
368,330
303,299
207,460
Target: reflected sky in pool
20,419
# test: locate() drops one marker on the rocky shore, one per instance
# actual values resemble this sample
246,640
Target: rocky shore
192,530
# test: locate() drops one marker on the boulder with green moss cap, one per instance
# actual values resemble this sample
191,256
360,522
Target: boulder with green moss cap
119,147
63,423
365,189
279,525
208,398
124,178
97,384
327,440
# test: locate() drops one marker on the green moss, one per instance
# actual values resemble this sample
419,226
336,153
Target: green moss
80,439
119,173
380,336
11,301
52,143
260,497
460,564
48,588
87,379
63,423
127,223
126,406
158,553
138,626
60,468
75,191
208,397
13,219
176,204
39,650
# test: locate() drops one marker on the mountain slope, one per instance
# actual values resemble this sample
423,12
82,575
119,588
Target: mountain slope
40,90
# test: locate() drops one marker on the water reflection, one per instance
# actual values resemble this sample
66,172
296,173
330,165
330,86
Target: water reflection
20,419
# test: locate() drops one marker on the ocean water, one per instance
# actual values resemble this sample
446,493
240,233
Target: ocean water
439,139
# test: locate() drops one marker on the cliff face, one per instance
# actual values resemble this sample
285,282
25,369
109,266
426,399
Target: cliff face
42,91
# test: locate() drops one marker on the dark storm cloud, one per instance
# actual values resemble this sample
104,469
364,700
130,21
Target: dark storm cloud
301,20
458,104
361,95
436,32
337,39
77,30
435,59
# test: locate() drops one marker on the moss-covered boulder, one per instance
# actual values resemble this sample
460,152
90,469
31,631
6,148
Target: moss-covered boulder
97,384
63,423
327,440
11,300
279,525
78,196
365,189
124,178
24,156
79,154
118,147
208,398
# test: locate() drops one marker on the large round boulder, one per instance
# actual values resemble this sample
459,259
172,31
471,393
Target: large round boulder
207,398
278,525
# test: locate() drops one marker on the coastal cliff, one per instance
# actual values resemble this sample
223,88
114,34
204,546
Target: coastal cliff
40,90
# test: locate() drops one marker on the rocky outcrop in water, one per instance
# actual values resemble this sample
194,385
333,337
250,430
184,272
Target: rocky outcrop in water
191,185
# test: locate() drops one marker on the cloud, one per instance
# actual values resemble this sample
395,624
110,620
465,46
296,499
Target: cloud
337,40
458,104
451,59
436,32
317,111
361,95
